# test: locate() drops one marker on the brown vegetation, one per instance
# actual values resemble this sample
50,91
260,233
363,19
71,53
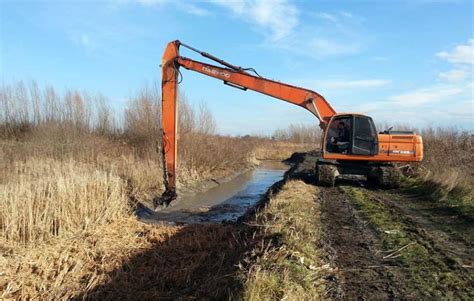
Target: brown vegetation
447,171
68,163
69,167
279,150
126,260
299,134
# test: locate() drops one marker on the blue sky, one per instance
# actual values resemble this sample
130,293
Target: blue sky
398,61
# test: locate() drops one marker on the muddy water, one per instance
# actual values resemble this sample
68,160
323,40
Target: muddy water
223,203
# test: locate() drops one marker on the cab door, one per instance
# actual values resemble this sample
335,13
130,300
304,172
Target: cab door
365,138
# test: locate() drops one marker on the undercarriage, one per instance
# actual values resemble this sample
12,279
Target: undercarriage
382,175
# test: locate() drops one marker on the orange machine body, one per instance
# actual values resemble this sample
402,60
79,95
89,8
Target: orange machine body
403,147
391,147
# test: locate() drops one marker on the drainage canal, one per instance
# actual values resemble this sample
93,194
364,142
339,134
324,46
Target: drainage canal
223,203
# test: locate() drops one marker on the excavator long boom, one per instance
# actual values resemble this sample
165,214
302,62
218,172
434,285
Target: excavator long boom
231,75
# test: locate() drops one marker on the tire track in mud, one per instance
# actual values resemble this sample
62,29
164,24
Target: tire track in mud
428,228
456,253
355,247
352,246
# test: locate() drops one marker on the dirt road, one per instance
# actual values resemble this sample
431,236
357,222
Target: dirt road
393,245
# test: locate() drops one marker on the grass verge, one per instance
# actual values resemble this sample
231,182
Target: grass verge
459,199
429,273
287,261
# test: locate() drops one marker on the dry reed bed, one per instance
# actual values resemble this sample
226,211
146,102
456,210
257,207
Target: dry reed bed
60,188
447,170
45,198
448,156
280,150
127,260
67,267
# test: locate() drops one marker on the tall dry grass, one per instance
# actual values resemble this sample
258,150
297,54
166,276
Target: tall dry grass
448,156
69,162
43,198
448,161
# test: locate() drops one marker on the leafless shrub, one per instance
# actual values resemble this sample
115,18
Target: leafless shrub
205,123
299,133
202,153
15,114
104,119
143,118
186,117
448,157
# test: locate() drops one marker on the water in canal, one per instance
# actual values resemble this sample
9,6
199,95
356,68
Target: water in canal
225,202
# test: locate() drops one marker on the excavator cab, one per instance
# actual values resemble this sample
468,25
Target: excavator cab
351,134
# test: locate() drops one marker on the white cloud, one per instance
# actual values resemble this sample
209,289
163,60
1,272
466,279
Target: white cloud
440,104
329,17
426,95
455,75
450,100
277,18
462,57
327,35
192,9
461,54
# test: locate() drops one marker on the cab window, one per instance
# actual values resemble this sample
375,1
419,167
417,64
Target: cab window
339,135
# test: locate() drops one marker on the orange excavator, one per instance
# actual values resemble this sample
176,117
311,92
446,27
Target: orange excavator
350,142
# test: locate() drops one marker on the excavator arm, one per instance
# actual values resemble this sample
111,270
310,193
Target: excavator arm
234,76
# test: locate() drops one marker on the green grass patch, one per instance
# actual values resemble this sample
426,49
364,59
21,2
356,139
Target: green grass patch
429,274
459,199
